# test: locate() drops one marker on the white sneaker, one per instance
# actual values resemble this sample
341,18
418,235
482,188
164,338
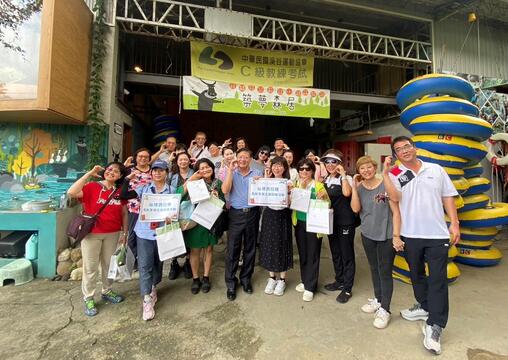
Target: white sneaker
279,289
432,338
414,313
148,310
308,295
371,306
382,318
300,287
270,286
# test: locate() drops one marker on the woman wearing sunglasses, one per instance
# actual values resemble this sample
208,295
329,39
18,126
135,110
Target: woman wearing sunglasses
262,159
309,244
338,186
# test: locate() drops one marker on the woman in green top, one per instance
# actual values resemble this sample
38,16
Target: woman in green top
309,244
199,238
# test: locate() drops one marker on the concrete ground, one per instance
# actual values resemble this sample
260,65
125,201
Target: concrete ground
44,320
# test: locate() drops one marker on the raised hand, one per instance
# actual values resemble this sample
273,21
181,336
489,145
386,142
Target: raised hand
357,179
129,161
387,165
95,171
131,176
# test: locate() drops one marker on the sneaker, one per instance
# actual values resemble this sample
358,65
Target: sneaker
300,287
270,286
344,296
382,318
187,270
90,308
174,271
148,310
308,295
334,286
112,297
414,313
371,307
432,338
196,286
153,294
279,289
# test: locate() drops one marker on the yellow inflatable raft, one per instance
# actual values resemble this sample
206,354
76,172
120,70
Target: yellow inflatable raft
479,257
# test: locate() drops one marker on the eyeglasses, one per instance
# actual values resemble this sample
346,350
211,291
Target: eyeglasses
304,168
331,161
403,148
142,157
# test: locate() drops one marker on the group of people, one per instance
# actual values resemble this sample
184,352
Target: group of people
402,210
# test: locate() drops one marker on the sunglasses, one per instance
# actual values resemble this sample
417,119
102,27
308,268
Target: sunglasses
263,153
331,161
304,168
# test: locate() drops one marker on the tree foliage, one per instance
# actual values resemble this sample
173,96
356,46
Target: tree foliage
97,134
12,14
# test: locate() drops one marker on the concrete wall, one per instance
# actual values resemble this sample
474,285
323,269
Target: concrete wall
391,128
113,113
449,37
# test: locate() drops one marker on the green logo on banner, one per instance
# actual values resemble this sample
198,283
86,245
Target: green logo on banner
209,58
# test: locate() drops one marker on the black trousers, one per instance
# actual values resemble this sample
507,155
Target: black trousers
432,291
309,250
380,255
343,254
132,239
243,228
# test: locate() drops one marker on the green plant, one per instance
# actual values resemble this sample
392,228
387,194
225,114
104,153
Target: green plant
97,127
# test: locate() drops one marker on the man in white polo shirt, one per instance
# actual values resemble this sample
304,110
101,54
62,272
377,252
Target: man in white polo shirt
422,190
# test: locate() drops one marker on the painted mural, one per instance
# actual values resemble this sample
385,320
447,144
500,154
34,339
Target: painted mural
40,161
492,104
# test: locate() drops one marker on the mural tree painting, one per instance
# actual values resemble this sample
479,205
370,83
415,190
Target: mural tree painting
38,145
22,164
32,147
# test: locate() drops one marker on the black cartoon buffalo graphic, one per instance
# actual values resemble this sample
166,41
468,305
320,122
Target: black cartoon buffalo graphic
208,97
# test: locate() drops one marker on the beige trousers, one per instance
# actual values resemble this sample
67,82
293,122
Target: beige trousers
97,248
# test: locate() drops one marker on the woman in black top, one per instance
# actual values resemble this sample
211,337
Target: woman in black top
338,187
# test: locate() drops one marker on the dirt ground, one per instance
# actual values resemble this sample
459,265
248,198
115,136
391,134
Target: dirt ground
45,320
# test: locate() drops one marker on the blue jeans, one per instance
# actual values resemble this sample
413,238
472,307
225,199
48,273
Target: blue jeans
149,265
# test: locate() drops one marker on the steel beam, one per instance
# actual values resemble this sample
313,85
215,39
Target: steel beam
183,21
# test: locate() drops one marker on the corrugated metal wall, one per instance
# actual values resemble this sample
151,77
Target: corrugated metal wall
449,37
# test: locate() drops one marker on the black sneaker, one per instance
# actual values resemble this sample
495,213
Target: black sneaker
174,271
206,286
334,286
344,296
187,270
196,285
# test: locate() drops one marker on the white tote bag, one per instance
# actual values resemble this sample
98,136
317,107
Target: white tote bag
170,241
319,217
124,272
300,200
207,212
197,191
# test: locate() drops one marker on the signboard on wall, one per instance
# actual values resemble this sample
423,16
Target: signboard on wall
253,66
199,94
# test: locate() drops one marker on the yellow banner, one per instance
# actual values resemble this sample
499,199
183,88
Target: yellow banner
250,66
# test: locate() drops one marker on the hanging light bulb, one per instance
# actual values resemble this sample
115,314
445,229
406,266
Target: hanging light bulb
311,122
